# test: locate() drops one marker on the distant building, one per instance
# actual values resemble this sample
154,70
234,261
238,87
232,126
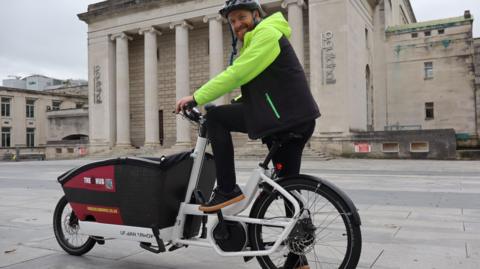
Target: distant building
477,64
477,76
30,119
373,69
16,83
430,72
40,82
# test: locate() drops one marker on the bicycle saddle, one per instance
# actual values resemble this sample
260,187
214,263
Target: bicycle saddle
285,137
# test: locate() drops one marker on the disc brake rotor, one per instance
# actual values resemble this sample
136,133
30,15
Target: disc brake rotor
301,239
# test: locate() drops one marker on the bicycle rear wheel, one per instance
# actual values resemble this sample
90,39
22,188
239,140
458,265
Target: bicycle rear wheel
327,236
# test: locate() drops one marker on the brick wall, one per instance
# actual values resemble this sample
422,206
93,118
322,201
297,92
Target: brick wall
137,90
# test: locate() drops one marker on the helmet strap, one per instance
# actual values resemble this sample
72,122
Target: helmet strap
234,45
255,21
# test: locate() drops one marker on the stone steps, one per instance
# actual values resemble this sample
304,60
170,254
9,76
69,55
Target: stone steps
250,151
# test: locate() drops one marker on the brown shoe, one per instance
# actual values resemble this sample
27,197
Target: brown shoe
221,199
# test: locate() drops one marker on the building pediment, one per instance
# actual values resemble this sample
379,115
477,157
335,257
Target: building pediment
117,7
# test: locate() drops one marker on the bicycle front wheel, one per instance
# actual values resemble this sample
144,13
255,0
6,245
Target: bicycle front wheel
66,230
326,236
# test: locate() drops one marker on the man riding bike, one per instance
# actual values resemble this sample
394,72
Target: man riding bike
275,97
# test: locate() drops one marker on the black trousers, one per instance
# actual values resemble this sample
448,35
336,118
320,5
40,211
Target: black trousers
223,120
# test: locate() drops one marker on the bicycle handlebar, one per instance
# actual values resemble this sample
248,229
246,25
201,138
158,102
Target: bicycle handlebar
191,112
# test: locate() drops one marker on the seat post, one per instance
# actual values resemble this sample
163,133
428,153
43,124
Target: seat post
275,146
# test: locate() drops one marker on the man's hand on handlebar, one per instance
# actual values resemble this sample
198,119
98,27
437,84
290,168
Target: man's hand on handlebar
184,103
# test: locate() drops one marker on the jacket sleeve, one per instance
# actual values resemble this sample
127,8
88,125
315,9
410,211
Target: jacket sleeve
257,56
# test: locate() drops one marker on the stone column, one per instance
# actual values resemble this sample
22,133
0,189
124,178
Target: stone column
152,130
123,90
295,19
112,93
215,48
182,77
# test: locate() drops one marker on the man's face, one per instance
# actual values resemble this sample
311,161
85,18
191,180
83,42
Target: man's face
241,22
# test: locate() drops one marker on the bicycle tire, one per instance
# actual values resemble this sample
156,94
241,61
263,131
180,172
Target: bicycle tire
68,220
306,184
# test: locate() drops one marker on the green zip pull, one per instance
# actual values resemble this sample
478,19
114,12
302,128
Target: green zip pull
272,105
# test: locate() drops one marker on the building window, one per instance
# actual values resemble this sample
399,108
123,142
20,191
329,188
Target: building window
5,107
390,147
6,137
419,147
428,70
208,47
441,31
56,105
414,35
429,113
30,108
367,45
427,33
30,137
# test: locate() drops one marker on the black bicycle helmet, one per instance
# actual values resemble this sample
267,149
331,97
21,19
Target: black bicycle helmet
231,5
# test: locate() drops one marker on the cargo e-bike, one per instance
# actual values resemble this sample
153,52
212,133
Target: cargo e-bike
155,201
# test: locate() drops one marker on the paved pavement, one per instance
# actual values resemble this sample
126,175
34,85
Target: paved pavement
415,214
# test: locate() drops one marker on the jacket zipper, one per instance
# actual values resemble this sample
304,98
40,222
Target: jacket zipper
272,106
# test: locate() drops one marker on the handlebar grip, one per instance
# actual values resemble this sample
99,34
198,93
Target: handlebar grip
189,105
190,112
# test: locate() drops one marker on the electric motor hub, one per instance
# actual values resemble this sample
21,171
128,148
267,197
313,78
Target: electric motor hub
302,238
234,239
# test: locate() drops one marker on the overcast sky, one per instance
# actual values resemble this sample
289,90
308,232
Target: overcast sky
46,37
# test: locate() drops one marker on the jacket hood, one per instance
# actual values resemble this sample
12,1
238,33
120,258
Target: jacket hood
277,21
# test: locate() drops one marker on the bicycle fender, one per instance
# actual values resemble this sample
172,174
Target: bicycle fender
352,209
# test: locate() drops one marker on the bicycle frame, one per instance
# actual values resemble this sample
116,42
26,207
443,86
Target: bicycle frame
230,213
174,234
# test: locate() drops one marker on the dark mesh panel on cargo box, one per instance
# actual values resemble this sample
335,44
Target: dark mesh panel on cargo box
151,197
138,188
205,184
174,189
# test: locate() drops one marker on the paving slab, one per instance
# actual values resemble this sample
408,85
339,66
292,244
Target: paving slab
21,254
424,256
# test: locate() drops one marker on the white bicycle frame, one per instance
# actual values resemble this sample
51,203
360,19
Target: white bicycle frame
174,234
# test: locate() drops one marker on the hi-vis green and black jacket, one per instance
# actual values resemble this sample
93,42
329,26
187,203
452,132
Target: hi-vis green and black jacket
274,88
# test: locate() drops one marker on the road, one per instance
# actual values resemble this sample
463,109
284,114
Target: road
415,214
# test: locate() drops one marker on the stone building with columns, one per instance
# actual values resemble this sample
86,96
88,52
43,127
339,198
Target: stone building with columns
145,54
